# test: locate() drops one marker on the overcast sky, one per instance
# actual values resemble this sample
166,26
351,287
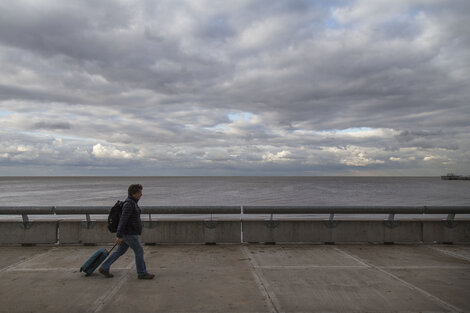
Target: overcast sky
234,87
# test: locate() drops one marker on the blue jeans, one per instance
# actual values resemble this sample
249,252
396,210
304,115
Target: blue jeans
128,241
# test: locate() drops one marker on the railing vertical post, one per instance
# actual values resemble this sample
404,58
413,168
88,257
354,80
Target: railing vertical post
390,222
331,223
241,224
271,223
26,222
88,224
450,221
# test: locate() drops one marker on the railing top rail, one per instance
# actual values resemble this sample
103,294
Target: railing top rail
153,210
12,210
356,209
70,210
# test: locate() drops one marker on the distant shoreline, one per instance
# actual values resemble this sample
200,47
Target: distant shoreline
455,177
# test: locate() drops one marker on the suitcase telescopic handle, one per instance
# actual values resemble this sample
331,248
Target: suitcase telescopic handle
112,248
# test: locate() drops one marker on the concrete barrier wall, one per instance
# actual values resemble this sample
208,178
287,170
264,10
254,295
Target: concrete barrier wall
72,232
340,231
180,231
191,232
229,231
13,232
437,231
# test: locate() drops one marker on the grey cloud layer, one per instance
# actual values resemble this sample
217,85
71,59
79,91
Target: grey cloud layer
161,87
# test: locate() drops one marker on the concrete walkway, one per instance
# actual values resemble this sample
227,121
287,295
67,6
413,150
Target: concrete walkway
242,278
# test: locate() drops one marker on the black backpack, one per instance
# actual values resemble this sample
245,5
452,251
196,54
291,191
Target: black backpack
114,216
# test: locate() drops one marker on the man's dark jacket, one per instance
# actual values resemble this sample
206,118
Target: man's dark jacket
130,223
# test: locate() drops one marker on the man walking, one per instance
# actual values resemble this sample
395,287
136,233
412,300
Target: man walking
129,229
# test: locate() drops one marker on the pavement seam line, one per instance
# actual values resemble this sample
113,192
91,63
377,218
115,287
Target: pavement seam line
263,286
46,269
425,267
42,269
293,267
411,286
450,253
101,302
12,266
352,257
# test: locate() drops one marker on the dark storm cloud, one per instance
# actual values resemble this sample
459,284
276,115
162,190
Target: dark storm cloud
300,87
57,125
21,93
75,28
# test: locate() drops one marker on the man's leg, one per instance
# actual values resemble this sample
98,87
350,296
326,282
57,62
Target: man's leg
134,243
122,248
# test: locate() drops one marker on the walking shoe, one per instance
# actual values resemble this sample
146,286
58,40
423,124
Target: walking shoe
106,274
146,276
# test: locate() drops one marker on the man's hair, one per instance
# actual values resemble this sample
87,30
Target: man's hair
134,188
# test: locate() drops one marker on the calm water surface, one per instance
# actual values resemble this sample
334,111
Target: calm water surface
97,191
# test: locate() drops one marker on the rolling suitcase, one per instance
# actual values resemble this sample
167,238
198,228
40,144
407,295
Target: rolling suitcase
95,260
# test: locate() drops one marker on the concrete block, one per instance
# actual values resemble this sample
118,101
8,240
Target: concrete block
190,231
77,232
222,231
437,231
174,232
317,231
377,231
359,231
37,232
286,231
405,231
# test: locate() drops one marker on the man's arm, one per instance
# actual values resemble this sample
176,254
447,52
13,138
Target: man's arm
125,215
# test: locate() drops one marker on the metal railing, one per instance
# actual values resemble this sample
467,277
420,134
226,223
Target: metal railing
285,209
24,211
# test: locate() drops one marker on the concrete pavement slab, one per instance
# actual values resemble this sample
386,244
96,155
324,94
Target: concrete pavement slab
50,291
300,255
449,285
71,257
344,290
241,278
14,255
438,275
328,278
192,278
402,255
458,251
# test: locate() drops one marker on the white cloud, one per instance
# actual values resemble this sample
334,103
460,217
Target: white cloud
280,156
57,142
101,151
432,157
259,32
360,132
355,156
22,148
